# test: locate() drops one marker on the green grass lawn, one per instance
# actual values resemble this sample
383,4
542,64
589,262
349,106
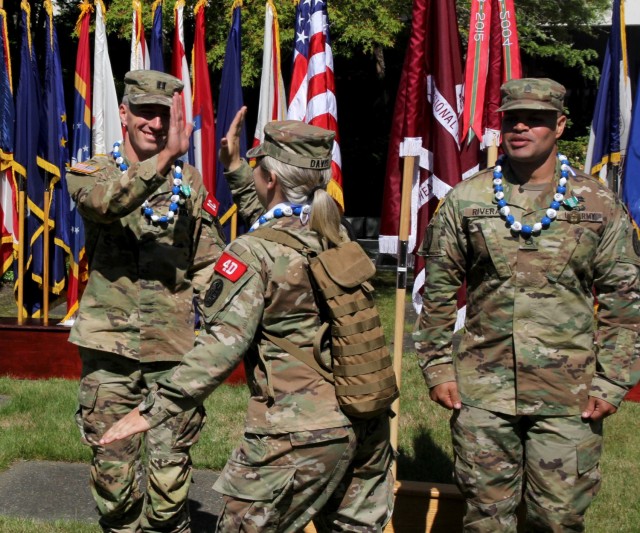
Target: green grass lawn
36,422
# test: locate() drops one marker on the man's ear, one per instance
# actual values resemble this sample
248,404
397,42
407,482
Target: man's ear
122,110
560,125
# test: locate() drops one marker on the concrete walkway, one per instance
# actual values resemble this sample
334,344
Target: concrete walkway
48,491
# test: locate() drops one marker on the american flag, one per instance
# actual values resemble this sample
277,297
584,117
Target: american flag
312,96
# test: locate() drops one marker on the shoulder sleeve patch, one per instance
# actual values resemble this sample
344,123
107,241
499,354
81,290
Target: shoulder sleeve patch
230,267
211,205
84,168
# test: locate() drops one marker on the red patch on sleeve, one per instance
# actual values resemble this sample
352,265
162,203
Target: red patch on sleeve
230,267
211,205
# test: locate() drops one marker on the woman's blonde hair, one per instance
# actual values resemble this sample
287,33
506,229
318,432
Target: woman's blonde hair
305,185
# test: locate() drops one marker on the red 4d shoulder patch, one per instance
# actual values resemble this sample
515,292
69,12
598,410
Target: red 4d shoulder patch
230,267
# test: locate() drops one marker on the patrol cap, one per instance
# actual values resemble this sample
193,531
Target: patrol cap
296,143
150,87
533,93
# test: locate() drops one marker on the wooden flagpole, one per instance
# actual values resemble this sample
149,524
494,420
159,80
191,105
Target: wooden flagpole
21,238
45,250
401,287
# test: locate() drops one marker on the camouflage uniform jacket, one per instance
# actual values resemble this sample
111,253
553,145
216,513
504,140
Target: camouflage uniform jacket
531,343
143,276
258,286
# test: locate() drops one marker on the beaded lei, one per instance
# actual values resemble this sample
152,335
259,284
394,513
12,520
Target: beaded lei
284,209
552,212
179,192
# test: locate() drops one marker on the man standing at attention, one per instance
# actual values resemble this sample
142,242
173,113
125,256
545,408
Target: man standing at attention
152,238
536,372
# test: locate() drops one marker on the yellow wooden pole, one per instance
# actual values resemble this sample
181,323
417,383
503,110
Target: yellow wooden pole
401,287
45,252
21,238
492,152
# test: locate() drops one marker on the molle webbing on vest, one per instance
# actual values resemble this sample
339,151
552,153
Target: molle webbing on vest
362,369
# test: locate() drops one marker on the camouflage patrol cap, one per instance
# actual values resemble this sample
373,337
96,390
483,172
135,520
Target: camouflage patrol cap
296,143
150,87
533,93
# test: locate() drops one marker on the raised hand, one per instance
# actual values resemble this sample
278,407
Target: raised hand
178,136
229,153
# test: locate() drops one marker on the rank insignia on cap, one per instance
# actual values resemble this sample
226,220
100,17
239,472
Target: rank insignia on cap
84,168
230,267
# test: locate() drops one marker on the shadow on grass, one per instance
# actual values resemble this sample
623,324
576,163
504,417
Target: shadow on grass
430,462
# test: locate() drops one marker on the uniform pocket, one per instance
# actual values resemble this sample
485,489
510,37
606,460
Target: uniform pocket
588,454
484,239
255,483
87,396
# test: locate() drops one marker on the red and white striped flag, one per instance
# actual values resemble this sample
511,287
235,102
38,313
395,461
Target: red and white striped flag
179,66
140,59
273,101
8,203
312,96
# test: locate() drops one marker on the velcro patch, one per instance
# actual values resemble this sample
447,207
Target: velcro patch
84,168
230,267
211,205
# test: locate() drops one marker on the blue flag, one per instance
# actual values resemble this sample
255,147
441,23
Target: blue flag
53,159
156,55
631,174
612,115
28,99
229,104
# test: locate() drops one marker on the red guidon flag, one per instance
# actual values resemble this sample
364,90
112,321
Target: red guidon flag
427,121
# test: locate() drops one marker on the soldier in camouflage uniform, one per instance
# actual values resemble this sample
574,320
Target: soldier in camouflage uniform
301,458
535,373
151,234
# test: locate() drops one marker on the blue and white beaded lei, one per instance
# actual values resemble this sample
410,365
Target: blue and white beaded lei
179,192
525,229
284,209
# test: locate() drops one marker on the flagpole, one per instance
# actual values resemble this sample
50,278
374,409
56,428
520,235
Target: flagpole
21,238
45,251
401,288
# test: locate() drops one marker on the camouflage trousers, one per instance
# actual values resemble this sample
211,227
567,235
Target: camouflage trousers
110,387
551,461
340,478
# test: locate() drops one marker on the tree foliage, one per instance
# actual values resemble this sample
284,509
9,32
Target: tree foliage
548,29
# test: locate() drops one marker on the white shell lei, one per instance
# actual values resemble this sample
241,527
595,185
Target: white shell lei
524,229
284,209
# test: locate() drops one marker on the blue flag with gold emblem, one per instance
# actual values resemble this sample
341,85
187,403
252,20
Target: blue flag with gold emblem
229,104
28,103
53,156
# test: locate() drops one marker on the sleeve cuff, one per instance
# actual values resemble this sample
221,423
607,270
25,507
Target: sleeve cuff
240,177
607,391
434,375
